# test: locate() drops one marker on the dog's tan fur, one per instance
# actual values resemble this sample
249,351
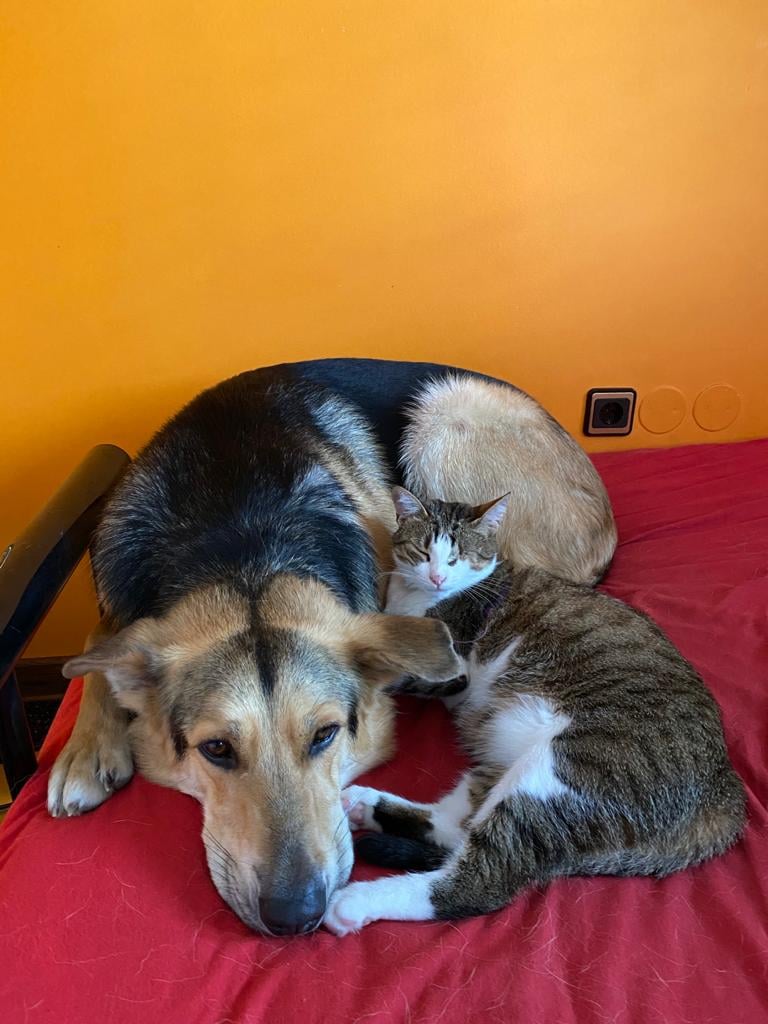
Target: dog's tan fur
358,466
276,790
470,441
372,503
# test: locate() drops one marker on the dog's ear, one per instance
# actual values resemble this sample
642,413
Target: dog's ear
407,505
488,518
130,661
385,647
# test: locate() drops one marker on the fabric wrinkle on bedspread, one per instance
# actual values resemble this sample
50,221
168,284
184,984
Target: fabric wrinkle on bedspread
112,917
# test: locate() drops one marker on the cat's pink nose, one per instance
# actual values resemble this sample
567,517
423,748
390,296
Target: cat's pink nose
437,578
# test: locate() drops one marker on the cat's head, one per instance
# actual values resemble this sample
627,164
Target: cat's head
444,547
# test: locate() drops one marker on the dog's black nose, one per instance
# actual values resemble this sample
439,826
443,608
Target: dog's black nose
295,913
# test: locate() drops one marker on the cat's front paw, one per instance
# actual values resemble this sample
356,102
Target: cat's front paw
349,909
359,803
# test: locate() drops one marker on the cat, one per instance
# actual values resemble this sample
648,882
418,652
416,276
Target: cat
438,551
560,518
595,746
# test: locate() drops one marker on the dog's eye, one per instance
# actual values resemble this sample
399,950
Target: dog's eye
322,739
218,752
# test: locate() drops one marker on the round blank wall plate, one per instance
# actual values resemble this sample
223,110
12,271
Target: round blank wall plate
716,407
663,409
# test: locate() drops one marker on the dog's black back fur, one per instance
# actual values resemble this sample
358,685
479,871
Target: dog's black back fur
380,388
216,495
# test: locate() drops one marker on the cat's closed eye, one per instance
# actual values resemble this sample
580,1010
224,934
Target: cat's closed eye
413,554
453,561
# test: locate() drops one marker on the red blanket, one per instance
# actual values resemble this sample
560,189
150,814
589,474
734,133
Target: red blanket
111,917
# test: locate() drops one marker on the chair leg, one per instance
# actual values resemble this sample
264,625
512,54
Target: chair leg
16,748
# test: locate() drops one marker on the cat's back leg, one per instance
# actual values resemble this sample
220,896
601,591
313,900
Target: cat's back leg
516,845
517,837
713,829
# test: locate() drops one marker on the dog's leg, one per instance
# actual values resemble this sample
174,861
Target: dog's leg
96,759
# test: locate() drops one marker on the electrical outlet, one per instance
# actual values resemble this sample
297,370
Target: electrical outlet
609,411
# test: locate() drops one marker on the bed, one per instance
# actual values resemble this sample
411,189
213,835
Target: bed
112,917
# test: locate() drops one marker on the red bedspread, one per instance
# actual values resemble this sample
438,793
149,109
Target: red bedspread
112,918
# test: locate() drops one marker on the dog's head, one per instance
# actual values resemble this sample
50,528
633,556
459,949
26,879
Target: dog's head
261,711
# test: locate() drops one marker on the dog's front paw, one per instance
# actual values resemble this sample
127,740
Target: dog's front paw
349,909
87,771
360,802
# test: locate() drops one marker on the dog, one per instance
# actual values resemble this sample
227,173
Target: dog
240,566
242,657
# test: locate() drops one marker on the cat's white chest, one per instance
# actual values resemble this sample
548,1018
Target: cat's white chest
527,721
482,675
517,735
404,600
519,738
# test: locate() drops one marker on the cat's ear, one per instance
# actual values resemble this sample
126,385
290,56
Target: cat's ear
489,517
407,505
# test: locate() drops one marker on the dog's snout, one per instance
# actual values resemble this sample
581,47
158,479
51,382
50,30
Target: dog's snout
295,911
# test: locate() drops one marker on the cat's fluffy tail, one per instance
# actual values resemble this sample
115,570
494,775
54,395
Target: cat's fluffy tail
472,440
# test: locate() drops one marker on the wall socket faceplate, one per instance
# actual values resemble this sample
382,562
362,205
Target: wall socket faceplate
609,411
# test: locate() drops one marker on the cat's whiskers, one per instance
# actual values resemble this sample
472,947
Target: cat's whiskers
481,592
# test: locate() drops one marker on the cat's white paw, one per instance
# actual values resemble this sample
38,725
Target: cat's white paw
396,898
350,909
359,803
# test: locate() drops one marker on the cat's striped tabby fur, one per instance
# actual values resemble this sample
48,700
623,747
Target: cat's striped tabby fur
595,746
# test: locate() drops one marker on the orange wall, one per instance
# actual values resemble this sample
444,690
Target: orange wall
567,194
